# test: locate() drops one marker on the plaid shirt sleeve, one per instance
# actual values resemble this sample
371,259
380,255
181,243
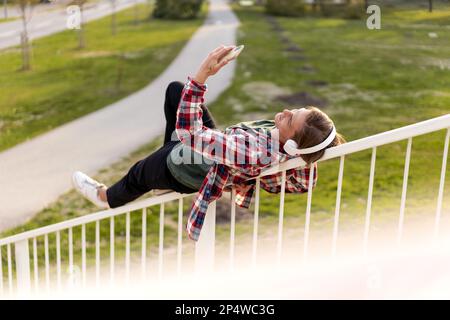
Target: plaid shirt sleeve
233,149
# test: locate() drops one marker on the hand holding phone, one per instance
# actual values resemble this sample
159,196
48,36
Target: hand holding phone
234,53
215,60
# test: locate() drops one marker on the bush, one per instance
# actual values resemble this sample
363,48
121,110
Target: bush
346,11
293,8
177,9
354,11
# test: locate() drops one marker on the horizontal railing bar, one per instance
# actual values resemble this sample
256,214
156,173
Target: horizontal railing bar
93,217
370,142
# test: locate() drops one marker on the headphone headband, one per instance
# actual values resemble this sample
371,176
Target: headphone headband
291,147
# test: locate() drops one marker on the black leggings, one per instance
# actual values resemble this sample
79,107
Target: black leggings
152,172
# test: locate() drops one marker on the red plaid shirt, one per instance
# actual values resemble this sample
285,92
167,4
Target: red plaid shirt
238,155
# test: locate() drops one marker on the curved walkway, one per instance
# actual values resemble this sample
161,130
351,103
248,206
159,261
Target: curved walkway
35,173
44,23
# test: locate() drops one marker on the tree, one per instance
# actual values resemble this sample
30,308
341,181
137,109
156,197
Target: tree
294,8
81,40
175,9
26,11
314,5
113,17
430,5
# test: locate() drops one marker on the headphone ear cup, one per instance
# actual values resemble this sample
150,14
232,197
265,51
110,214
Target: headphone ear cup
291,147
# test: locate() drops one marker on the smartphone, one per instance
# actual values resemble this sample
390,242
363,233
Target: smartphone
234,53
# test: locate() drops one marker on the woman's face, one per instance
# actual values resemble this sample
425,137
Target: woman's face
289,122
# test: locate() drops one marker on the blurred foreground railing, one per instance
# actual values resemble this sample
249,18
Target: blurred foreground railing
25,245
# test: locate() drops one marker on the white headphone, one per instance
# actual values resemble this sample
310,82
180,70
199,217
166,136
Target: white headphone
291,147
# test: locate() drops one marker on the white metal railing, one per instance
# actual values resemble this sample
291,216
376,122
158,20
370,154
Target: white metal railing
205,247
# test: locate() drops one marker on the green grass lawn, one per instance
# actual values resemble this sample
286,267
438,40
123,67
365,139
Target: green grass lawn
7,19
372,81
66,83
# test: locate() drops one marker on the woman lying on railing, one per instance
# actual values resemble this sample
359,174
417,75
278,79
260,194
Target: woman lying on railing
220,158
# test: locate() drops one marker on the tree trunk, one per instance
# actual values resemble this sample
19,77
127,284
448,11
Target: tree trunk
321,5
136,12
81,41
26,65
430,5
5,9
113,18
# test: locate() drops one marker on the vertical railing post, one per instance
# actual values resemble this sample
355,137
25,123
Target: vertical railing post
36,267
97,253
1,272
10,273
255,222
83,254
232,227
281,218
369,201
144,245
127,247
180,234
111,251
441,187
338,207
161,241
401,218
308,212
47,263
23,267
205,246
58,259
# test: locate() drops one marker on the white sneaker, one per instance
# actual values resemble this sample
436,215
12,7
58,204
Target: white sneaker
88,188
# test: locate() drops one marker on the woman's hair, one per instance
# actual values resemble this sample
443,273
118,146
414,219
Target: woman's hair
317,127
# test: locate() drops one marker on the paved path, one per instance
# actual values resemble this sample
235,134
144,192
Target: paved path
13,11
35,173
45,23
